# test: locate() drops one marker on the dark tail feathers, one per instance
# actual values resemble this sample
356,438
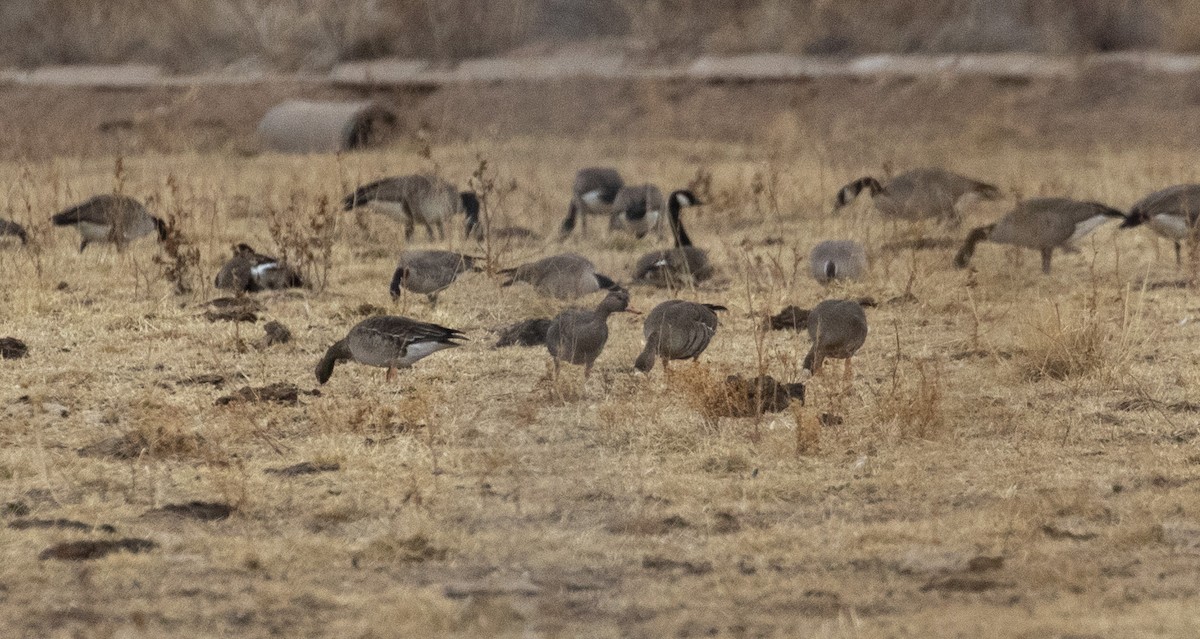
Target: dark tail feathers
606,282
851,190
568,224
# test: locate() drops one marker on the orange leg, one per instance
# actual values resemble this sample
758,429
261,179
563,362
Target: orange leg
391,374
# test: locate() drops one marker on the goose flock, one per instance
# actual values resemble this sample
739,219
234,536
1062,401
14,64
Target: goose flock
673,330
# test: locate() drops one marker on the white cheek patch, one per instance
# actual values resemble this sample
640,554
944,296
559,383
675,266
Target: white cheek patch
1172,226
1084,228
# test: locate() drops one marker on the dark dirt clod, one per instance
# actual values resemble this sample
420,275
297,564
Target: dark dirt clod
276,333
95,549
280,392
963,584
984,564
304,468
829,420
200,510
725,523
15,509
530,332
65,524
233,309
213,379
654,562
791,318
12,348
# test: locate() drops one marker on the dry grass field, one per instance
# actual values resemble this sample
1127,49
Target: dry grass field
1017,458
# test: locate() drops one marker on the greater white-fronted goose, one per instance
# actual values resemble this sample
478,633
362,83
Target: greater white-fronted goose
427,199
1041,224
592,193
577,335
677,329
390,342
1172,212
837,328
249,271
837,260
919,194
685,264
637,209
566,276
110,218
8,227
429,272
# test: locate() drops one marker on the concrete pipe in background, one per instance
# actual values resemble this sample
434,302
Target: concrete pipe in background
304,126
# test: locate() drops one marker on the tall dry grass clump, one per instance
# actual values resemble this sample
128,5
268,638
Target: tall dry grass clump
1060,345
913,401
304,234
180,259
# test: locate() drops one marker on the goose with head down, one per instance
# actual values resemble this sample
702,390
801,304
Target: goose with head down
115,219
677,329
427,199
679,266
1173,212
919,194
593,193
1041,224
566,276
388,341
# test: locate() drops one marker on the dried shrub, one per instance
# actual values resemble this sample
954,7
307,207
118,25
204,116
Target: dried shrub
913,402
1060,348
180,261
304,235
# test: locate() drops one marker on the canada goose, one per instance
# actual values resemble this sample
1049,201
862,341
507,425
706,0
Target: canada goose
593,193
504,235
566,276
677,329
578,335
426,199
837,329
1042,224
1172,213
429,272
14,229
837,260
110,218
637,208
249,271
680,265
389,342
920,193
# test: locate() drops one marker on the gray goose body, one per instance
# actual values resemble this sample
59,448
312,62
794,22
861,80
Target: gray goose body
566,276
837,328
677,329
1041,224
920,193
638,209
679,266
837,260
1173,212
429,272
250,271
390,342
577,336
410,199
592,193
16,230
115,219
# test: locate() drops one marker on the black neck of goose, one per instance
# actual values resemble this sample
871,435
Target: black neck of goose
161,227
677,230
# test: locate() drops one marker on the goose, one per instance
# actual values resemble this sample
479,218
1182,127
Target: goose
593,193
1042,224
677,329
1172,212
566,276
920,193
530,332
837,260
250,271
837,328
429,272
578,335
110,218
16,230
388,341
504,235
638,209
680,265
416,198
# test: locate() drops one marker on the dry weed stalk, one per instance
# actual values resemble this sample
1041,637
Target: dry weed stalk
1061,348
181,262
304,236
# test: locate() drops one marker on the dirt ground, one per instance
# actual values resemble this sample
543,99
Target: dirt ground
1017,456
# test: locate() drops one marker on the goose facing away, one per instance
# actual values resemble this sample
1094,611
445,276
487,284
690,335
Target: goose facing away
837,260
416,198
680,265
428,272
1172,212
577,335
677,329
638,208
566,276
1041,224
920,193
837,328
593,193
110,218
390,342
16,230
250,271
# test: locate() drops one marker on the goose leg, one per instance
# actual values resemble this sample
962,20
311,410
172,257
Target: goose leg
433,300
1178,253
83,245
587,371
391,374
409,228
556,365
1047,255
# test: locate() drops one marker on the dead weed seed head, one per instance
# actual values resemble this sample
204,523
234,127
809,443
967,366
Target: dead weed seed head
180,259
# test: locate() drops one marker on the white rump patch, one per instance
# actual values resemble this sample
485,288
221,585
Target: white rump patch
262,269
1084,228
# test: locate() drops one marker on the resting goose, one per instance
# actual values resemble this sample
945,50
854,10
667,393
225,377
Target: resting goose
505,235
638,209
680,265
920,193
410,199
837,328
566,276
1172,212
429,272
110,218
1042,224
677,329
249,271
390,342
837,260
16,230
577,336
592,193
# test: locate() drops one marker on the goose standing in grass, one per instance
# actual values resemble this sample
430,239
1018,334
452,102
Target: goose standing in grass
429,272
837,260
1041,224
110,218
566,276
577,335
16,230
837,328
678,266
592,193
920,193
390,342
677,329
410,199
1172,212
638,209
249,271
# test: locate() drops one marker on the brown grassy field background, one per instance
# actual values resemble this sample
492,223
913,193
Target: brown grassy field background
1018,457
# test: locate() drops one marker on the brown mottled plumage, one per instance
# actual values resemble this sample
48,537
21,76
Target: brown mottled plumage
390,342
677,329
566,276
110,218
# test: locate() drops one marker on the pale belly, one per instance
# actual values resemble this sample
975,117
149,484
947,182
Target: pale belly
1172,226
387,358
593,202
94,232
394,210
1085,228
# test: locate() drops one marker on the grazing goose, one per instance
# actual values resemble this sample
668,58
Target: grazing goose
678,266
566,276
426,199
837,260
504,235
837,329
638,209
593,193
390,342
1172,212
14,229
110,218
677,329
578,335
920,193
249,271
1042,224
429,272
